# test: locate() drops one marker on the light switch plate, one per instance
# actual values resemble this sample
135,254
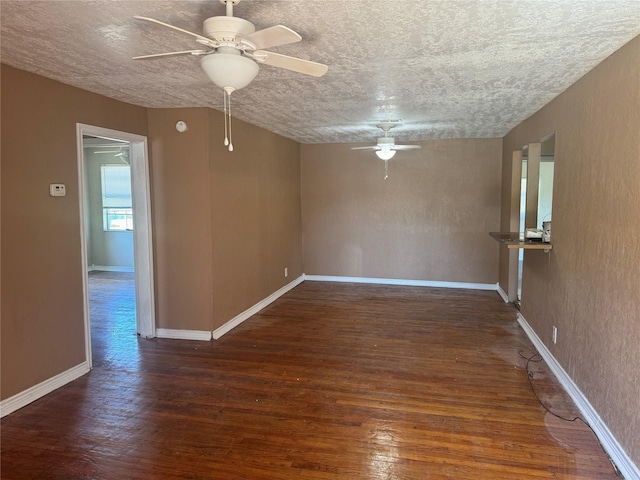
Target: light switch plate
57,190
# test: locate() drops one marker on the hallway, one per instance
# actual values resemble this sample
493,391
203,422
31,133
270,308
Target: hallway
114,340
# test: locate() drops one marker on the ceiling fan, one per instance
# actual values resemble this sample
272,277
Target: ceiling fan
231,50
386,146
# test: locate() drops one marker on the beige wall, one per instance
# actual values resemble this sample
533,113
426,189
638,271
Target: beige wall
255,213
181,219
42,317
428,221
589,286
226,224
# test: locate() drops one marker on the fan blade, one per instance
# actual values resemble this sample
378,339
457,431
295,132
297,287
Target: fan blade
272,37
171,54
405,147
203,40
370,147
291,63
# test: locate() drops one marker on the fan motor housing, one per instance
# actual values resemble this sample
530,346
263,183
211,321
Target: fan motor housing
386,141
226,28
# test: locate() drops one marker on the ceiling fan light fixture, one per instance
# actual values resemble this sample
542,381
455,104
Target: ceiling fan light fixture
385,154
229,70
227,40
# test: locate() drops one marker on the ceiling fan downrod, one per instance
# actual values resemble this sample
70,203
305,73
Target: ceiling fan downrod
229,4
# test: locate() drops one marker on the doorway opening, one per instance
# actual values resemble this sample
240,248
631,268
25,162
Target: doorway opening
108,205
523,214
532,175
115,220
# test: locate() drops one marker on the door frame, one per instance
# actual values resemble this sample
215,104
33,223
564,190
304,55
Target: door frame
531,210
142,232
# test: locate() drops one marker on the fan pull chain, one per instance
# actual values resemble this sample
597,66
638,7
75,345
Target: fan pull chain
230,139
227,117
224,100
386,169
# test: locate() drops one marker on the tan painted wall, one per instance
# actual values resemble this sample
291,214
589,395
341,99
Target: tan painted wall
42,318
181,218
256,214
589,286
428,221
226,224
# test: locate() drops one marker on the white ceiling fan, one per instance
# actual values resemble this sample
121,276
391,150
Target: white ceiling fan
386,146
231,50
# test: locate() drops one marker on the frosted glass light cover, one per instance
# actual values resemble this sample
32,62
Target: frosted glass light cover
229,70
385,154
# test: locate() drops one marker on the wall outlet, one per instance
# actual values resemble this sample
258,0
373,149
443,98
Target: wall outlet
554,334
286,272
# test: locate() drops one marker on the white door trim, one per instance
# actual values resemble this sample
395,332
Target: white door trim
142,233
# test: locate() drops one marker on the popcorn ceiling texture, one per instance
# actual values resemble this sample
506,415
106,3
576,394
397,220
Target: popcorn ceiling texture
448,69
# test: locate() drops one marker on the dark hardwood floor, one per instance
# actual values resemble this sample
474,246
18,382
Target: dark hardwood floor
331,381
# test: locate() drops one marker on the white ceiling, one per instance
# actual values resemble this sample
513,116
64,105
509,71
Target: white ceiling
447,68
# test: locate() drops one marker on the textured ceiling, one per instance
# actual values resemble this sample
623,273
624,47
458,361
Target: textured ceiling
447,68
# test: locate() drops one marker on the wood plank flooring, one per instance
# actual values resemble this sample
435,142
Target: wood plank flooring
332,381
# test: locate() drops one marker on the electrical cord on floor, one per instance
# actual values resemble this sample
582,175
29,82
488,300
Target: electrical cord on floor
536,357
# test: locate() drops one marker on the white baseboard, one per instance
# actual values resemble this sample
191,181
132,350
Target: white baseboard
409,283
503,294
32,394
238,319
203,335
107,268
609,442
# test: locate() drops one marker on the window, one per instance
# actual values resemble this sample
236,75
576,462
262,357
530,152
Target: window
117,211
117,219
